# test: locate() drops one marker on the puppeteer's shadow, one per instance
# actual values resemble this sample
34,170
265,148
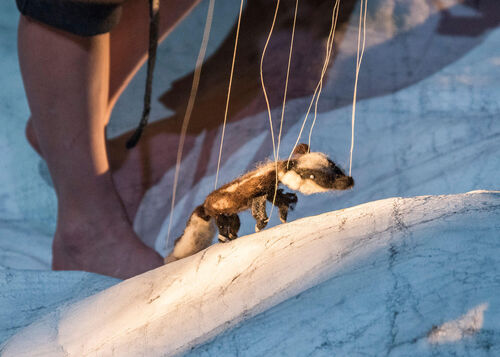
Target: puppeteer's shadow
401,61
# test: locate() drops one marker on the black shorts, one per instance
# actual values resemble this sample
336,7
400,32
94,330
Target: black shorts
79,17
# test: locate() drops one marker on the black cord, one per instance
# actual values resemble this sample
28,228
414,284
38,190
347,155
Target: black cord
154,19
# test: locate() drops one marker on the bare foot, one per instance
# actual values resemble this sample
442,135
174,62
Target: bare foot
97,239
104,244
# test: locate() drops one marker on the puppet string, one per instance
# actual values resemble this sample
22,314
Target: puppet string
328,52
228,93
359,58
190,106
335,17
276,157
268,106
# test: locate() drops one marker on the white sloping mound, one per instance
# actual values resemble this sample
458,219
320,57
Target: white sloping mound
171,309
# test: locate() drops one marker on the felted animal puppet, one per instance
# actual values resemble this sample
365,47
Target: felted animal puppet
306,172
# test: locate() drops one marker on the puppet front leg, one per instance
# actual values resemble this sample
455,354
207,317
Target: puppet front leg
259,212
285,201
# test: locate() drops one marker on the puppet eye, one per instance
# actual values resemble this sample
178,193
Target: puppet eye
311,177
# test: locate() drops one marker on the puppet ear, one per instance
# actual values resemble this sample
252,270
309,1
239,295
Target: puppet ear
301,149
290,164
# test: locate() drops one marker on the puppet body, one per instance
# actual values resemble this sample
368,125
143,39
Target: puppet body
306,172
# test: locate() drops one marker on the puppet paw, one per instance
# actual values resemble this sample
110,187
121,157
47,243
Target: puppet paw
283,210
260,225
291,200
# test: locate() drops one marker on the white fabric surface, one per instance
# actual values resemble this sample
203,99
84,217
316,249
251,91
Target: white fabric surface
433,128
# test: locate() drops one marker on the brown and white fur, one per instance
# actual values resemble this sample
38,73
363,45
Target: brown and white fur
306,172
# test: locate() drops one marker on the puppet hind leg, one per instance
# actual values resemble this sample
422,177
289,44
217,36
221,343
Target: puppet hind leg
228,225
259,212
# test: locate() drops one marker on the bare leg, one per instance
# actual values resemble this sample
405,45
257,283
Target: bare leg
129,39
93,231
128,47
68,98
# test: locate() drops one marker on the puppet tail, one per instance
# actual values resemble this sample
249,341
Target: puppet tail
197,235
